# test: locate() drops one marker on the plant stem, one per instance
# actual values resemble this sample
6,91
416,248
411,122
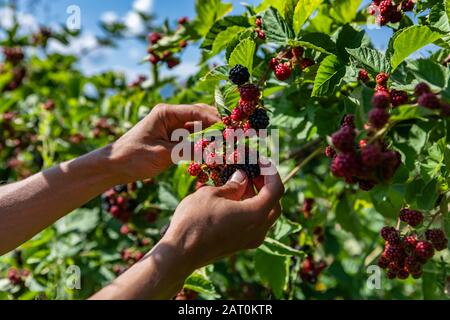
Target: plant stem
302,164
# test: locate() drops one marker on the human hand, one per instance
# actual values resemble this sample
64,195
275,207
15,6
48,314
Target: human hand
216,222
145,150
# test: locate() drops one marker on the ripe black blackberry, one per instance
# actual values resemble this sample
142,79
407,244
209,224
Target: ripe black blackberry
259,119
239,75
251,170
226,173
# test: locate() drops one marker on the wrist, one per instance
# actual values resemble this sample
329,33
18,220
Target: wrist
177,256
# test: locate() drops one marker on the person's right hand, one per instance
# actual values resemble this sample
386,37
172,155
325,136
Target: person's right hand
216,222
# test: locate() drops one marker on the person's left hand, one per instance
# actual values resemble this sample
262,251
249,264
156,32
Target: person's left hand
145,151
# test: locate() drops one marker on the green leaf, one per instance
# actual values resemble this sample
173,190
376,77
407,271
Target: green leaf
208,12
233,23
429,286
346,217
81,220
428,197
388,199
224,38
201,284
277,30
273,270
409,112
285,227
243,54
220,102
373,60
344,11
217,74
350,37
317,41
303,11
329,76
168,200
407,41
430,72
275,247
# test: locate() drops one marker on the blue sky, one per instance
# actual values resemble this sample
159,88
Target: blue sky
126,58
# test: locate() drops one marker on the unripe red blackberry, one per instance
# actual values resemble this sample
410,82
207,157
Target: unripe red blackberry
201,145
412,265
382,20
410,242
391,162
261,34
371,156
378,118
248,107
239,75
227,121
408,5
411,217
395,16
424,250
306,63
344,139
298,52
194,169
391,275
390,234
383,78
183,44
154,37
330,152
385,7
237,114
394,267
417,275
379,88
308,205
259,119
345,165
421,89
259,22
398,98
249,92
349,121
273,63
445,109
49,105
13,55
203,177
363,76
283,71
381,100
154,59
429,100
183,20
212,160
439,246
366,185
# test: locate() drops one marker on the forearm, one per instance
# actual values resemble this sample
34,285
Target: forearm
31,205
160,275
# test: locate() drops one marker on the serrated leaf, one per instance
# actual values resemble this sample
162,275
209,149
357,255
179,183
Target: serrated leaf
409,40
303,11
220,102
243,54
277,30
317,41
218,73
222,25
275,247
273,270
430,71
409,112
223,39
199,283
388,199
372,59
329,76
344,11
208,12
350,37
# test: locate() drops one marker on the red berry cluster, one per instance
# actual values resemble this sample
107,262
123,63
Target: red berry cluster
286,61
366,164
103,128
14,57
186,294
405,254
17,277
363,76
49,105
426,98
131,255
311,270
117,202
138,81
388,11
259,32
219,165
41,38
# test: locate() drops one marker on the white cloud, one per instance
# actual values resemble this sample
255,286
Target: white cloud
109,17
6,18
144,6
77,46
28,22
134,23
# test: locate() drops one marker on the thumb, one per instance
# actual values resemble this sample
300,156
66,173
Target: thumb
235,187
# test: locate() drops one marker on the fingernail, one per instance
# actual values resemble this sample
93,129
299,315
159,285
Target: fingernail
238,177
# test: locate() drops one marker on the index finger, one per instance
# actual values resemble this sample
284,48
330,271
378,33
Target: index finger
179,115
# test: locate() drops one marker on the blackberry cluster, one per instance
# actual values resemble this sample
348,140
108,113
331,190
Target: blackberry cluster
167,54
311,270
219,165
41,38
17,277
387,11
259,32
118,203
103,128
365,164
405,254
286,62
